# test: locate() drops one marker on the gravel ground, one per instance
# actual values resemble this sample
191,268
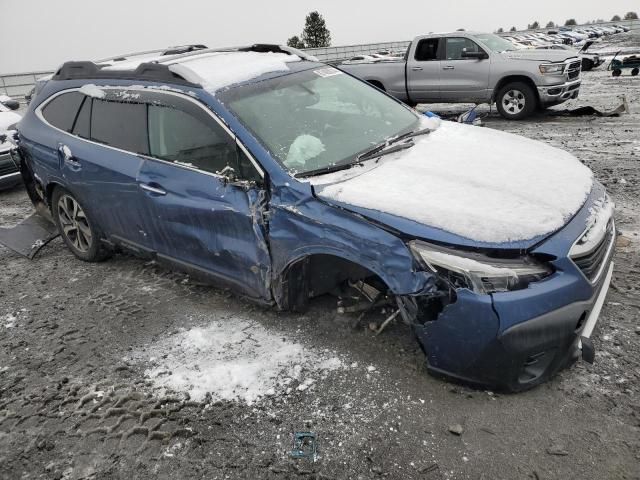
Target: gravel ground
87,352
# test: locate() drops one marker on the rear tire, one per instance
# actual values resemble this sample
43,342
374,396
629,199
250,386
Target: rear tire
78,231
635,71
516,101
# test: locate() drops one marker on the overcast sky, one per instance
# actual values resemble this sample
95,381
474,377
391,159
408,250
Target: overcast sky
41,34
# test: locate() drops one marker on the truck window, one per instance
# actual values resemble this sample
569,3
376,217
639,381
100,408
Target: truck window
427,49
455,46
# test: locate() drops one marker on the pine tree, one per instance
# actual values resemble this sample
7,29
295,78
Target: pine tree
571,21
631,16
295,42
513,29
315,33
500,30
616,18
551,25
534,26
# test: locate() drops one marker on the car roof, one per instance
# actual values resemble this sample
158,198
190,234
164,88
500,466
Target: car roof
211,69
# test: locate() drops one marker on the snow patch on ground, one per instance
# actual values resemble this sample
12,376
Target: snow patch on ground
9,320
235,359
91,90
221,69
478,183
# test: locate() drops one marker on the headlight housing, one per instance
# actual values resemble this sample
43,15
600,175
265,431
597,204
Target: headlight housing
478,272
552,68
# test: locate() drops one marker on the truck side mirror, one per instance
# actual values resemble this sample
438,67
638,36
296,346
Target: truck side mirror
476,55
11,104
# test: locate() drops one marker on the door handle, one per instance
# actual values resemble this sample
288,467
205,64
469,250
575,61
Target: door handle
416,69
67,157
156,190
449,67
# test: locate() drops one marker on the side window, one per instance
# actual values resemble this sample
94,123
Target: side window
455,46
183,133
120,124
62,110
427,49
81,125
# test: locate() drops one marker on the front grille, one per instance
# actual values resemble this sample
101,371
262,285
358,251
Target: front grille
7,166
591,262
573,71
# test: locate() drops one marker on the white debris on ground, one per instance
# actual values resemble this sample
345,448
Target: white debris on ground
222,69
9,320
91,90
235,359
478,183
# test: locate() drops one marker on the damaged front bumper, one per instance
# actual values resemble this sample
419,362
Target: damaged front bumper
554,94
515,340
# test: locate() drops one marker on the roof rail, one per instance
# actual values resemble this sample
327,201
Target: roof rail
174,50
152,72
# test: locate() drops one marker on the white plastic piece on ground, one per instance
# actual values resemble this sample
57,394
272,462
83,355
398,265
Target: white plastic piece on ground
478,183
235,359
221,69
91,90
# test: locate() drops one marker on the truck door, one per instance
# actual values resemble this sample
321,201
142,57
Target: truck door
464,79
423,71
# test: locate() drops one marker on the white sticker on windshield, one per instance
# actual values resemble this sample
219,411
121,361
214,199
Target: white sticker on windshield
327,72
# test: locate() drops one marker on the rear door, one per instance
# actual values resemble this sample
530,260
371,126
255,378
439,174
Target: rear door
423,71
204,196
464,79
98,157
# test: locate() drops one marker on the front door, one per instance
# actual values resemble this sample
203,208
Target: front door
464,79
203,196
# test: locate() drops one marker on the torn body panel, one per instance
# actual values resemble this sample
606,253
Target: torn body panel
301,226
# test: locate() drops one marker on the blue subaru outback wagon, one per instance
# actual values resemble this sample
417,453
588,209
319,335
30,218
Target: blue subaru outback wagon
285,178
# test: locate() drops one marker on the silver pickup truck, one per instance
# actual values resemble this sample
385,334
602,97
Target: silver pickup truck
466,67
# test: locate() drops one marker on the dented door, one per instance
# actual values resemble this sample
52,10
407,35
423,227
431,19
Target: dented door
205,223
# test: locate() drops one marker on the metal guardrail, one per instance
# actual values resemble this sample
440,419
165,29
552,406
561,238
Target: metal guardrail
17,85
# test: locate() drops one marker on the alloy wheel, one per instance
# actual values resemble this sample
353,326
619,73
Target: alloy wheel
74,223
513,102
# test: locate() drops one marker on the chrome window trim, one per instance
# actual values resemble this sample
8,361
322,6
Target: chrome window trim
38,112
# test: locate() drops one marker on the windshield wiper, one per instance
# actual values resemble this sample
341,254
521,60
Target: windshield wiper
384,150
329,169
417,133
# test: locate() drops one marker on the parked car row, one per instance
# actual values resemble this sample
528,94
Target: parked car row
9,168
562,36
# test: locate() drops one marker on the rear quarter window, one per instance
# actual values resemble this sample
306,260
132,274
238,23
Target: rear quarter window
62,110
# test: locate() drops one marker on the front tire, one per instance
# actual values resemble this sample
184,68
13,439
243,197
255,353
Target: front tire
78,231
516,101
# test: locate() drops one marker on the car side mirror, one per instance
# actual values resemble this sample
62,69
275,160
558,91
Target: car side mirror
476,55
11,104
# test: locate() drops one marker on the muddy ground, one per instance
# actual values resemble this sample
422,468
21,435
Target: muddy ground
78,342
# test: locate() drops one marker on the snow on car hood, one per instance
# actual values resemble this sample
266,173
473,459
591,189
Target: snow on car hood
477,183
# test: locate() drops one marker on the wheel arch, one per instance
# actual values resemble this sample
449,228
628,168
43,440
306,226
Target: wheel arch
515,78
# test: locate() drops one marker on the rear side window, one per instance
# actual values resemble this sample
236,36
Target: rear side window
81,125
61,111
427,49
120,124
188,137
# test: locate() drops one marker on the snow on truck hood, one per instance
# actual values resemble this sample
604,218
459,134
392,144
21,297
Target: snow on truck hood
477,183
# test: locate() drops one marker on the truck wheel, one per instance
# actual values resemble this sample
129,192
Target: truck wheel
635,71
76,228
516,101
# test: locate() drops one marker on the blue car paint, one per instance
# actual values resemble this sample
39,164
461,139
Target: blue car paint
267,231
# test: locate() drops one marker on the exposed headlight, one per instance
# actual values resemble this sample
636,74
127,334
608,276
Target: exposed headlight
478,272
551,68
